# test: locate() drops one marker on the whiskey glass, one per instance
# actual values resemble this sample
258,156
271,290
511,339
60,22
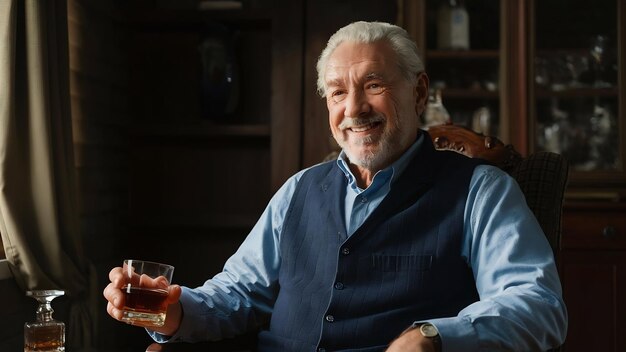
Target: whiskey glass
44,334
145,289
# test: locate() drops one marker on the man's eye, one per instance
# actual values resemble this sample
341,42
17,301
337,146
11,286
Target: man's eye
338,95
375,88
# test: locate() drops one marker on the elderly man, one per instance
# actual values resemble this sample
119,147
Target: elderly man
394,245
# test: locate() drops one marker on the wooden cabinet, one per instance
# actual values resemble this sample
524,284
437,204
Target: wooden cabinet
548,72
469,79
576,95
485,81
215,97
593,273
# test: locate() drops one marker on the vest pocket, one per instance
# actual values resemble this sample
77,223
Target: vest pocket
394,263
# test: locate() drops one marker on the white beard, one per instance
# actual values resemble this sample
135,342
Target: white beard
386,145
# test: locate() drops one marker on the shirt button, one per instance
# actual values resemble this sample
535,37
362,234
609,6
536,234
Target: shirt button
339,285
330,318
345,251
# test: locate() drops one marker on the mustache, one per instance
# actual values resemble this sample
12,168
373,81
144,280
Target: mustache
360,121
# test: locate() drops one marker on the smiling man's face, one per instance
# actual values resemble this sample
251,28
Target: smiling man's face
373,109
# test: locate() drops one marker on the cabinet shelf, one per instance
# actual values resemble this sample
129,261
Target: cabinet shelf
456,93
200,129
462,54
191,18
578,93
561,53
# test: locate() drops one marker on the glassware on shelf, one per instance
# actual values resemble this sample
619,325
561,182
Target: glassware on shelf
577,66
560,73
220,72
436,113
602,154
556,137
599,57
45,334
452,26
542,72
482,121
585,132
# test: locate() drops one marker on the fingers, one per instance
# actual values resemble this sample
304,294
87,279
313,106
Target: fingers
114,312
114,294
116,276
174,292
155,347
158,282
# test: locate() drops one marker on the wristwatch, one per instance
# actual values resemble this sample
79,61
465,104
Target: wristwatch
428,330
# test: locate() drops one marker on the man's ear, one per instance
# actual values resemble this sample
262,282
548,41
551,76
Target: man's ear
421,93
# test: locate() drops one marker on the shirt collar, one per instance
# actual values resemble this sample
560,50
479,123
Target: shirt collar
390,173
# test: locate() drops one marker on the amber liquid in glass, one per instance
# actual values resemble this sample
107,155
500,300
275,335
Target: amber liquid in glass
45,334
145,305
45,337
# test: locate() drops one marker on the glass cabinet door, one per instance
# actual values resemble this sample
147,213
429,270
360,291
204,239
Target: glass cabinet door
461,50
575,87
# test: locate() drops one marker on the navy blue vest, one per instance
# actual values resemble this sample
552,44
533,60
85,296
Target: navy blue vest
403,264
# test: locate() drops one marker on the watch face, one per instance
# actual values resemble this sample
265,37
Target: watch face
429,330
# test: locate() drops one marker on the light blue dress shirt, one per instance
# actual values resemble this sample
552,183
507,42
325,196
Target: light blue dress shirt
520,305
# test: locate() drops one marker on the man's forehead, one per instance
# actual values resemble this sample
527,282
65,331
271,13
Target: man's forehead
339,71
334,75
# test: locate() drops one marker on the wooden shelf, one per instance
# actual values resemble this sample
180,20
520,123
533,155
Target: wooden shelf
578,92
457,93
462,54
200,129
191,18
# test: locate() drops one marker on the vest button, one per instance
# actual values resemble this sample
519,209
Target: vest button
345,251
330,318
339,285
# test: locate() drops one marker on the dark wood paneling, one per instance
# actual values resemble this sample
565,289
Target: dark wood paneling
287,89
594,291
593,273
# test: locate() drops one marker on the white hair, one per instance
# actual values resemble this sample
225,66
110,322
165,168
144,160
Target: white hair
405,48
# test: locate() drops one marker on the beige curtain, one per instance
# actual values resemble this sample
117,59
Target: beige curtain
38,204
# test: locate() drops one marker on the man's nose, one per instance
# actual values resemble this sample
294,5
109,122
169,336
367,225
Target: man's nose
356,104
